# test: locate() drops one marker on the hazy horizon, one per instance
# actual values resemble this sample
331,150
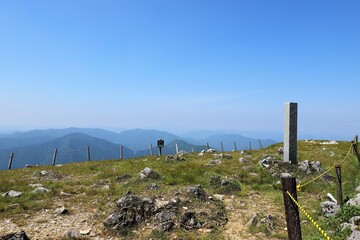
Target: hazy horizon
180,66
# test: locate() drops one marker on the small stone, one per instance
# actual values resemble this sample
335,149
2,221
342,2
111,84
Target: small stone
12,193
219,196
71,233
330,208
355,235
85,231
35,185
41,190
61,210
242,160
44,173
15,236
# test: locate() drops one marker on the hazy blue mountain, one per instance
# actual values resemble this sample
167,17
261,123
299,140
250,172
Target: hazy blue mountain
136,139
139,139
170,148
228,140
71,148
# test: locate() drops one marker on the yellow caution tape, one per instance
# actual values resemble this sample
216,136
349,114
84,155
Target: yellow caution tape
309,217
299,186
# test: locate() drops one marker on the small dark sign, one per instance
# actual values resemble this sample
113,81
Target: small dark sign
160,143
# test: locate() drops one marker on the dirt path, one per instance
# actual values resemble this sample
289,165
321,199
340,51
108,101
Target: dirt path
241,211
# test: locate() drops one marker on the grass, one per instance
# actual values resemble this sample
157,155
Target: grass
85,182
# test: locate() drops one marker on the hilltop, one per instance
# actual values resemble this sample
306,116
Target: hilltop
36,147
192,196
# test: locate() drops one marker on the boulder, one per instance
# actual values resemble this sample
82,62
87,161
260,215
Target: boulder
358,189
189,221
213,162
149,173
330,208
15,236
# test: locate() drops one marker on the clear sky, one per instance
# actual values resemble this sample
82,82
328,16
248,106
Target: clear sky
180,65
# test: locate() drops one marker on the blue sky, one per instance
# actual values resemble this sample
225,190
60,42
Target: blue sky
180,65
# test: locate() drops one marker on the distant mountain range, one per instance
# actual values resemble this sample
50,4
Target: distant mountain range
37,146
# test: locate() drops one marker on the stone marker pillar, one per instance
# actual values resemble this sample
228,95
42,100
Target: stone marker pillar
290,133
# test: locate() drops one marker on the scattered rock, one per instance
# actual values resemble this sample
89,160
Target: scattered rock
35,185
355,235
149,173
165,220
211,150
358,189
310,167
355,220
196,192
15,236
285,175
355,201
332,142
242,160
253,220
153,186
330,208
44,173
174,158
201,154
72,234
331,197
213,162
343,226
64,194
222,156
189,221
122,178
281,150
268,221
219,196
85,231
12,193
41,190
265,162
61,210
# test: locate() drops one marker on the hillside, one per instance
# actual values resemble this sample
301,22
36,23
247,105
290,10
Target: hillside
192,197
71,148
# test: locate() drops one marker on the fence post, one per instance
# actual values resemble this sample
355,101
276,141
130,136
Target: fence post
291,210
222,147
260,144
235,146
151,153
250,145
88,153
10,160
207,145
54,157
355,150
121,152
339,195
177,148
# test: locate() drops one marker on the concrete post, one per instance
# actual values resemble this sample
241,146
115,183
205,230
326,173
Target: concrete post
290,133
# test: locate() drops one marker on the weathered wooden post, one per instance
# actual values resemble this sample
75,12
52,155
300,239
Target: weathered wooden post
151,153
235,146
222,147
355,150
356,139
54,157
88,153
290,133
121,152
10,160
177,148
249,145
260,144
291,209
207,145
339,195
